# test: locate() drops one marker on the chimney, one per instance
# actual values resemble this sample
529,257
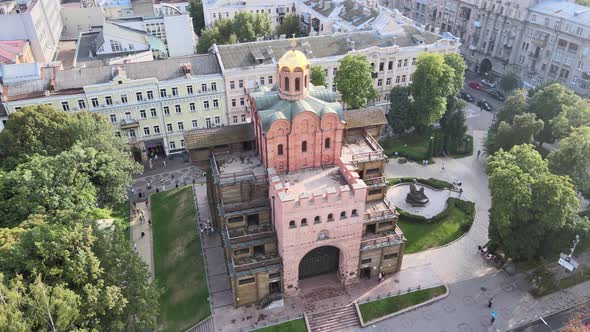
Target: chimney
187,68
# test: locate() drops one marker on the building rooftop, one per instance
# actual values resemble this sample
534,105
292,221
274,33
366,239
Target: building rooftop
568,10
11,49
313,181
206,137
66,53
361,148
266,52
364,117
85,54
113,3
230,164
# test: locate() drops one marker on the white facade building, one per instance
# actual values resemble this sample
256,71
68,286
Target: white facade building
213,10
170,7
38,21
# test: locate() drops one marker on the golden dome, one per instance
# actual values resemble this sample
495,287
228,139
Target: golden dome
293,59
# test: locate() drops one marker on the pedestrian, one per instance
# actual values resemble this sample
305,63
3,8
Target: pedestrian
135,246
443,166
142,234
380,276
478,153
201,230
147,203
150,222
164,163
151,164
460,192
134,204
493,317
490,302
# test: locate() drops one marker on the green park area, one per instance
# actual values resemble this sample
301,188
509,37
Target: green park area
296,325
380,308
424,233
179,266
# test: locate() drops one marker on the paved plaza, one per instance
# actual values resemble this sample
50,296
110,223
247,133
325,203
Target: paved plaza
436,204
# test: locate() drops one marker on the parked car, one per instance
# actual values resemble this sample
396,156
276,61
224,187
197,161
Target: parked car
483,104
474,85
497,95
467,97
488,83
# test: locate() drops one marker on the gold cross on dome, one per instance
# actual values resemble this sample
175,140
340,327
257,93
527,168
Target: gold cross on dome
293,41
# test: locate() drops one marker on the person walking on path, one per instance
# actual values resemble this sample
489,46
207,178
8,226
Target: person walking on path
142,234
478,153
490,302
380,277
444,166
493,317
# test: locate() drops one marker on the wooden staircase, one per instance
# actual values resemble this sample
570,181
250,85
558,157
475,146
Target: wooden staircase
338,319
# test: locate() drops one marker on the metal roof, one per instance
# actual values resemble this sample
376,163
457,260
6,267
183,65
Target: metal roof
567,10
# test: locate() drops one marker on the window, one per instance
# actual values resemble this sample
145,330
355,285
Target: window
113,118
150,95
206,104
217,120
118,133
142,114
262,80
317,220
234,102
204,87
182,144
397,79
81,104
146,130
380,82
297,84
208,122
390,65
270,80
116,46
215,103
180,125
280,149
366,261
232,85
330,217
381,66
385,224
235,219
389,256
94,102
244,251
163,93
235,119
175,91
242,101
189,89
399,63
342,214
388,81
166,110
169,127
374,192
304,222
403,78
327,143
304,146
579,31
138,96
240,84
177,108
246,281
156,129
172,145
131,133
213,86
405,62
286,84
243,117
194,124
353,213
65,106
123,99
128,115
109,100
153,112
292,224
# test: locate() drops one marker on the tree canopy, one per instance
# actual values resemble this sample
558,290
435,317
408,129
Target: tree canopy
354,81
243,27
572,158
520,130
195,10
289,26
401,117
317,76
532,209
452,125
509,82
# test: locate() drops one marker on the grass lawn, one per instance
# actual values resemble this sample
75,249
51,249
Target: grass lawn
413,147
179,266
422,235
296,325
380,308
121,215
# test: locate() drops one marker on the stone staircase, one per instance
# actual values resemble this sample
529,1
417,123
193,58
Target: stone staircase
339,319
203,326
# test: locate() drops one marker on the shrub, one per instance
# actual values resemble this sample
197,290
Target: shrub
466,206
431,182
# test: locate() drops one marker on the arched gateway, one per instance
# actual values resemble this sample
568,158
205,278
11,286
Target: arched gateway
320,260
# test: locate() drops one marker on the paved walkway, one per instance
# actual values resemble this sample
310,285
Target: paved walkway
142,244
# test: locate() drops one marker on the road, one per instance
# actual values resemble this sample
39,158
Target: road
480,94
556,321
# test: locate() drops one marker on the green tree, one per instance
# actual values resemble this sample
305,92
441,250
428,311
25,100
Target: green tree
317,76
456,62
453,126
521,130
529,204
570,118
509,82
249,26
401,117
195,10
433,82
583,2
207,39
354,81
289,26
516,104
572,158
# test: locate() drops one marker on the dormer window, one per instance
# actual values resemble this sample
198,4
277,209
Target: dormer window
304,146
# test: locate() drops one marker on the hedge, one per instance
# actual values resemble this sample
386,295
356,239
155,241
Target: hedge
431,182
467,207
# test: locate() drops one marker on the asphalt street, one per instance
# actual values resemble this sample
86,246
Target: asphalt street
556,321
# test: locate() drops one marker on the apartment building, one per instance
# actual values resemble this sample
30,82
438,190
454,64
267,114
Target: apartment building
214,10
15,51
150,104
249,66
37,21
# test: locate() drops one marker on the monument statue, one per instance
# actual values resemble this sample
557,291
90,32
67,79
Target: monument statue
416,197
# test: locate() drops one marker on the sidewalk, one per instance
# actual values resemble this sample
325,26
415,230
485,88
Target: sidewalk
143,245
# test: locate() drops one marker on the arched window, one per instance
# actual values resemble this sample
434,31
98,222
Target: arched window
297,84
316,220
304,146
280,149
286,84
327,143
292,224
342,214
354,213
330,217
304,222
305,81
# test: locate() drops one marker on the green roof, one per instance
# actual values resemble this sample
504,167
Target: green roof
271,107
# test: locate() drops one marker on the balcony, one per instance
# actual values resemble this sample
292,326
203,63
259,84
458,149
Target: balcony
252,204
477,24
534,55
382,239
380,210
250,263
249,233
376,182
129,123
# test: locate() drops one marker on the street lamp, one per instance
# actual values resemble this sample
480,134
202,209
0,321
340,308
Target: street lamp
544,322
